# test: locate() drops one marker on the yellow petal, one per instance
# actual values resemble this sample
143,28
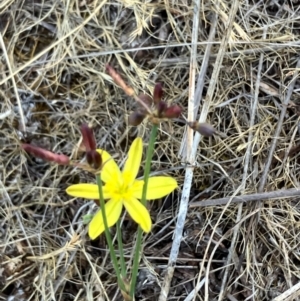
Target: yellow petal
133,161
113,209
110,170
138,213
137,188
158,187
87,191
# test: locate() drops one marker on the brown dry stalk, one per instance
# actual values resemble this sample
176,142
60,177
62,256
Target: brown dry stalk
278,194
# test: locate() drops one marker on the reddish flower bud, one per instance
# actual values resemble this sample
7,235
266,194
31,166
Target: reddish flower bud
94,159
203,128
158,93
173,111
88,137
118,80
45,154
136,118
161,108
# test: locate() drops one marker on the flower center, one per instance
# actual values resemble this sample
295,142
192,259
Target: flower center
126,184
121,189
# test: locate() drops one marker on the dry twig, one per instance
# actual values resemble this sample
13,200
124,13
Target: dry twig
278,194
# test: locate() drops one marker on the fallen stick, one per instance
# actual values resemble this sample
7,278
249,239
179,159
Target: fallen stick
290,294
284,193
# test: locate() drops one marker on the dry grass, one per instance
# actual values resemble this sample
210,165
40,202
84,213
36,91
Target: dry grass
53,57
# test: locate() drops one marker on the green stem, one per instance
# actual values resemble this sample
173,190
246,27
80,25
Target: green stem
108,236
138,246
121,249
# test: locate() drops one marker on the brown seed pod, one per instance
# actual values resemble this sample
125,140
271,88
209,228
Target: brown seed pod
136,118
203,128
158,93
88,137
161,108
94,159
173,111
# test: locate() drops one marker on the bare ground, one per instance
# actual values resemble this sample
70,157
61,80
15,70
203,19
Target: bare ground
53,79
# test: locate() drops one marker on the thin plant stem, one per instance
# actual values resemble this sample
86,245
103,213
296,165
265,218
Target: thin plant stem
136,259
121,250
108,236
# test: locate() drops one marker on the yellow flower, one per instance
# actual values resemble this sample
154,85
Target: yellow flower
122,188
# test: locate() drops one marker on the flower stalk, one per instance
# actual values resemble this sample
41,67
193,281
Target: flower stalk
108,236
121,250
138,246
